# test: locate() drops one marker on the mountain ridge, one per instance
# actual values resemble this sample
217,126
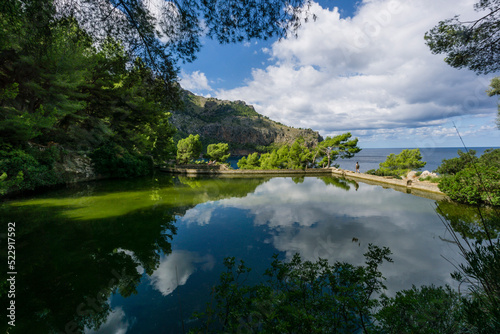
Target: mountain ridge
236,123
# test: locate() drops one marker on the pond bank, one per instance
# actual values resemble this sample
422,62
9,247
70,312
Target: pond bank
410,186
413,186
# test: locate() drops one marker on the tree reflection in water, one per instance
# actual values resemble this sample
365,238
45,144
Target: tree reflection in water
75,249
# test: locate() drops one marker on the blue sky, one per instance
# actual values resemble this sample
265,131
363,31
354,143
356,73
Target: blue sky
362,67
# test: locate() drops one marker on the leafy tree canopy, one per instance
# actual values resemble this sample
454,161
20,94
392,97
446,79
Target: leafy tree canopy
62,93
299,156
189,149
495,90
400,164
249,162
218,152
332,148
472,44
164,32
296,156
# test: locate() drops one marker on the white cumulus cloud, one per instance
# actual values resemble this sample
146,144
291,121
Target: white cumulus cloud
370,72
194,81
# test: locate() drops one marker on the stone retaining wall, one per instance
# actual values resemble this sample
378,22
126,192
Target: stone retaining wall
411,186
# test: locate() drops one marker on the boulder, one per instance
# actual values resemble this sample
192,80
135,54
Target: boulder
427,173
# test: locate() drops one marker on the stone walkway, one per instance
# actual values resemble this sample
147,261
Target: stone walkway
412,186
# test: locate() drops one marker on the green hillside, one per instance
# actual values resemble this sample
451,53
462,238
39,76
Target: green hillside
235,123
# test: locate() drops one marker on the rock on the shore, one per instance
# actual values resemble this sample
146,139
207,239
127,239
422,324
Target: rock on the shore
76,168
426,173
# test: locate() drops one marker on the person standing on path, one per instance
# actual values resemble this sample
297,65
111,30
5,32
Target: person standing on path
357,167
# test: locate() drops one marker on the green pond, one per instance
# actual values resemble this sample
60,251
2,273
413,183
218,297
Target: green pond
140,256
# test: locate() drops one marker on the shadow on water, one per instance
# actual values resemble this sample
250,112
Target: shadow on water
75,247
471,222
68,269
343,184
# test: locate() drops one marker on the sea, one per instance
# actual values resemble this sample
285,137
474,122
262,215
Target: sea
370,158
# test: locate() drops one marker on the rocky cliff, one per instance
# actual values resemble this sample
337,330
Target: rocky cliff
235,123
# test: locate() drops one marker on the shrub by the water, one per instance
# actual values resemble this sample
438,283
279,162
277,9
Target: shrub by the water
379,172
402,163
454,165
474,182
115,161
20,171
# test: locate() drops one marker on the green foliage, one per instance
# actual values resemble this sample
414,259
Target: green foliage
378,172
491,158
427,309
268,148
400,164
172,32
495,87
430,179
83,77
495,90
115,161
276,159
42,69
299,155
316,297
282,156
475,232
482,270
56,86
249,162
454,165
298,297
472,44
139,119
270,160
332,148
218,152
22,171
473,186
474,183
189,149
242,163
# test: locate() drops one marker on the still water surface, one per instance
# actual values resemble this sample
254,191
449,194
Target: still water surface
137,256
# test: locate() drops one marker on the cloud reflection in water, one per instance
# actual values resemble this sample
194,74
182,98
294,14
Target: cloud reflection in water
175,269
116,323
320,220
